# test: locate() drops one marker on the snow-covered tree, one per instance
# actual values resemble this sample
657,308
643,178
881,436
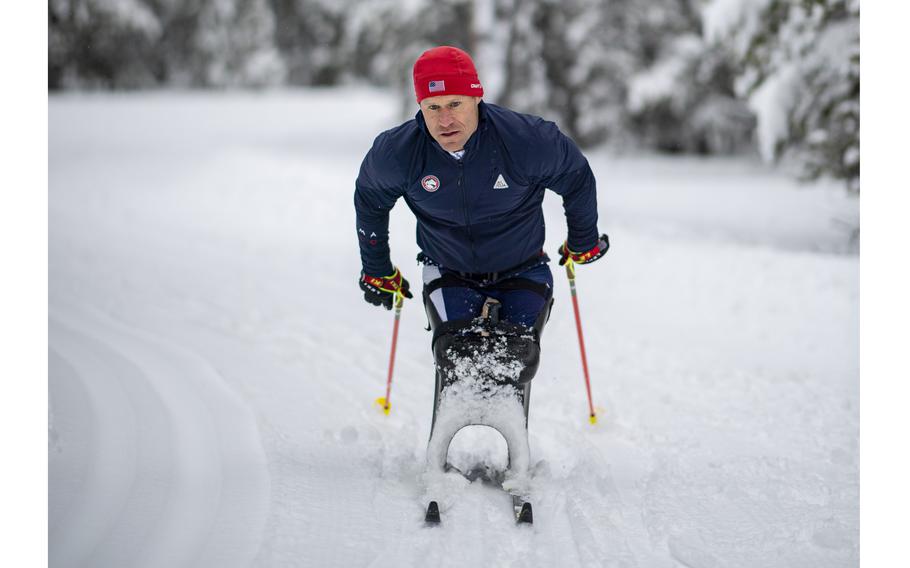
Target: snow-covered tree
672,75
234,44
623,71
565,60
800,73
101,43
142,43
310,35
684,101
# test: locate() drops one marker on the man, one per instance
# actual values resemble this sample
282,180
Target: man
474,175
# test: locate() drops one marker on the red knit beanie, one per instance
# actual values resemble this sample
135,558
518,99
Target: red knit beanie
445,70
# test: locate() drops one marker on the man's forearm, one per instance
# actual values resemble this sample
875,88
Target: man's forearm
373,236
580,204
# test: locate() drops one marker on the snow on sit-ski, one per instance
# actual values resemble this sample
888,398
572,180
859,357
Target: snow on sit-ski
213,369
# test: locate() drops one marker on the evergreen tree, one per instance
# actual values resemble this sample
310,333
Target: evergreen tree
623,71
101,43
234,44
800,73
311,37
567,61
680,90
664,74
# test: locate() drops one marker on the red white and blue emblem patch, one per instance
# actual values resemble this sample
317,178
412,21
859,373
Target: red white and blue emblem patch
430,183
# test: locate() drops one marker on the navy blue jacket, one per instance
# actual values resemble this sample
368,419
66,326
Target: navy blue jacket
466,220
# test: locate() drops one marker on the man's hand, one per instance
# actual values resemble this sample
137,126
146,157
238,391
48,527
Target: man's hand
586,257
382,290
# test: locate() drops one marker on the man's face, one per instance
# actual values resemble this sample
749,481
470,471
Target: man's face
451,119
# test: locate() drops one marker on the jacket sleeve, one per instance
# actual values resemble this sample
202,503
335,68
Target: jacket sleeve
378,186
566,171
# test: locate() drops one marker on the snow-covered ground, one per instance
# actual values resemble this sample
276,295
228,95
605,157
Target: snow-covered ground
213,367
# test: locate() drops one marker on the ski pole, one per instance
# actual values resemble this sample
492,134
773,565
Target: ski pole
385,402
570,272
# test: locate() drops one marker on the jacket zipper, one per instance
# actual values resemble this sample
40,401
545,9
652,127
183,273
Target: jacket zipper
467,218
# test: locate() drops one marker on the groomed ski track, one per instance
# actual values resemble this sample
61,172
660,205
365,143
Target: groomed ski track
213,368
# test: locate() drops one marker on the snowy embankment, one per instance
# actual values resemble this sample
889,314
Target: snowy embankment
213,368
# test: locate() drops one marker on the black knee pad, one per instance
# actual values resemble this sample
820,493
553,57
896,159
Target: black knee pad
492,344
499,352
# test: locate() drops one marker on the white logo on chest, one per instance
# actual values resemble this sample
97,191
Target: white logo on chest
500,183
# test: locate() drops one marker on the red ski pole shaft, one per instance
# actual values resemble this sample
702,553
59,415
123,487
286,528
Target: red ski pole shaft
570,272
387,401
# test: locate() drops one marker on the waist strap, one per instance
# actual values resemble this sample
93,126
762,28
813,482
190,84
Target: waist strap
453,280
488,278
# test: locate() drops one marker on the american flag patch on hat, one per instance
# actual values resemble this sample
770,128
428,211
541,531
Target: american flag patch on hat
436,86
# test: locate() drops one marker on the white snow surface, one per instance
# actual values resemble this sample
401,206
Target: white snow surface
213,368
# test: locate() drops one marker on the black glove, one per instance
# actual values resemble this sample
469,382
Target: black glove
587,257
382,290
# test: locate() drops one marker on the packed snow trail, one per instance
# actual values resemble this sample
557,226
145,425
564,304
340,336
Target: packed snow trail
213,367
170,458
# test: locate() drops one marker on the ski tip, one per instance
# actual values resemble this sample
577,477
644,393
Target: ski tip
526,515
432,516
386,407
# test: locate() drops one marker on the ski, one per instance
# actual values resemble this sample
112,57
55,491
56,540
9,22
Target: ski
432,516
523,512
